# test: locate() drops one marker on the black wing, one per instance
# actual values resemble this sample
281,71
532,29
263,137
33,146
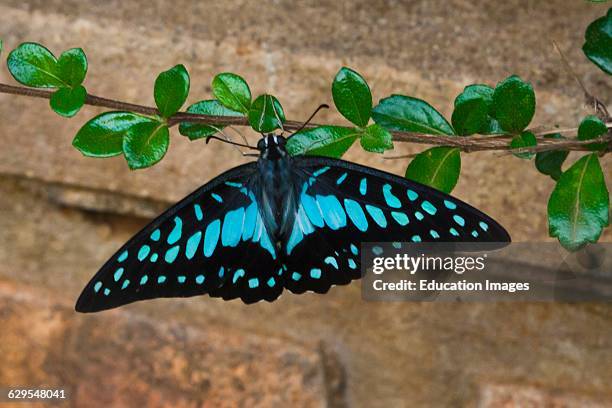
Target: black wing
342,204
213,241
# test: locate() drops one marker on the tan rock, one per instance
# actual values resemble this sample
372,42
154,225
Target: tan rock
374,354
121,359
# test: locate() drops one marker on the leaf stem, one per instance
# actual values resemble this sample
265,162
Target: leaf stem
466,144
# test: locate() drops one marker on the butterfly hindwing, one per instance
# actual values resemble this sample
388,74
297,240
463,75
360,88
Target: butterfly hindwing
342,204
213,241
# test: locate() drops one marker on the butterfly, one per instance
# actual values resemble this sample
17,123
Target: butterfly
278,223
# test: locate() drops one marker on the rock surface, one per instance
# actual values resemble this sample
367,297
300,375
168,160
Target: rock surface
62,215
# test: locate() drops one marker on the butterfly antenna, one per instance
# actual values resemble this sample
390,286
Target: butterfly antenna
208,139
322,106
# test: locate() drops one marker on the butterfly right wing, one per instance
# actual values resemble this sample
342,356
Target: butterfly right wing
343,204
213,241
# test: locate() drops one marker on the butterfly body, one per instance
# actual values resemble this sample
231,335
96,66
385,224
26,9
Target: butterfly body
281,222
275,187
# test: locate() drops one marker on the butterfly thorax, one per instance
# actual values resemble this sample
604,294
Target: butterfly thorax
277,193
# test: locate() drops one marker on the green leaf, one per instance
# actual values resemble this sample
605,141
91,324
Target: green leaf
171,90
1,45
470,116
329,141
438,167
376,139
352,96
592,127
399,112
514,104
492,127
266,114
485,93
578,208
208,107
34,65
525,139
232,91
550,162
68,101
598,42
145,144
72,66
103,135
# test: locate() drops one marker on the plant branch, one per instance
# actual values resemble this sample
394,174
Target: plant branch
467,144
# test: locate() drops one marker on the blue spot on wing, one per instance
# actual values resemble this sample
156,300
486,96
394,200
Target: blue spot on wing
377,215
172,253
192,244
400,217
459,220
312,210
330,260
356,214
198,212
237,275
117,274
321,171
392,200
123,256
250,220
429,207
450,205
332,211
232,227
211,236
176,232
155,235
363,186
143,252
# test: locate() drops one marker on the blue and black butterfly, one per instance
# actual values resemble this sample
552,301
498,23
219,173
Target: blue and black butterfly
278,223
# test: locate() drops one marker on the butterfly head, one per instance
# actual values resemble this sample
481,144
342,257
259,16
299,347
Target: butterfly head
272,146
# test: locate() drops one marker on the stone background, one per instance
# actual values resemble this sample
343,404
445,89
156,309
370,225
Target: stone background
62,215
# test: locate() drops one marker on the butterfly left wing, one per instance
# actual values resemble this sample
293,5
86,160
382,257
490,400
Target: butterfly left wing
213,241
342,204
